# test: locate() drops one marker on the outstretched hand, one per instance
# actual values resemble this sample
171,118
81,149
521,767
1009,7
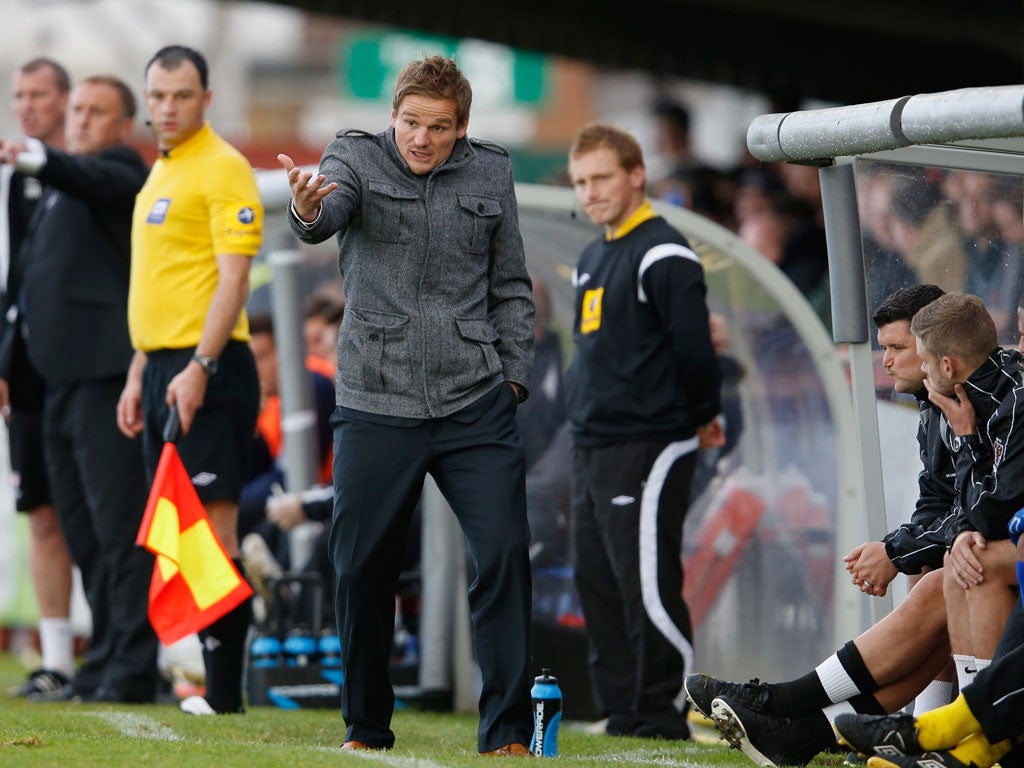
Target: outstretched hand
307,192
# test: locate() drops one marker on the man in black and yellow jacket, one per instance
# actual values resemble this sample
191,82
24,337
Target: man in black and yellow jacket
643,396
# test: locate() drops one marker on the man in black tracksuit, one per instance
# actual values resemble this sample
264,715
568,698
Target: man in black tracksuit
73,299
643,395
919,544
982,397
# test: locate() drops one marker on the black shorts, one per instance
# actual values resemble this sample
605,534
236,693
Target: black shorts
28,463
216,449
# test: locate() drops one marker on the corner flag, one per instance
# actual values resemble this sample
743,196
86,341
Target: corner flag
194,581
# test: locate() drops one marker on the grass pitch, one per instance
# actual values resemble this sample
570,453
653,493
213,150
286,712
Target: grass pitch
156,736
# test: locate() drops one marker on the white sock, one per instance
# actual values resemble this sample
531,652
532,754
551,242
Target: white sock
965,669
57,646
833,710
936,694
980,664
835,680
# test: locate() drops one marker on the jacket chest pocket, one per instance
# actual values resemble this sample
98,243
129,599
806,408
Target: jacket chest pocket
375,351
390,212
478,218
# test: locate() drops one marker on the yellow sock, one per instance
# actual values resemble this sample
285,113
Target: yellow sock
946,726
976,750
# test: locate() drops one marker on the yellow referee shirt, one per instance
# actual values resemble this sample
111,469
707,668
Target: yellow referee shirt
200,200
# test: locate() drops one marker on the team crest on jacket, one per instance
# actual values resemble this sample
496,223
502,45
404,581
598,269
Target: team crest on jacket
590,317
998,449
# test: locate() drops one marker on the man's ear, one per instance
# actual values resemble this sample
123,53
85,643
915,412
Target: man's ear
951,366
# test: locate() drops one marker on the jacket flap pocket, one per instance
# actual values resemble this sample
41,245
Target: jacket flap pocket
477,329
378,319
480,206
388,189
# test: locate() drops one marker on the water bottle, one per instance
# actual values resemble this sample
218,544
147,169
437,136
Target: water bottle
265,651
299,648
547,714
330,651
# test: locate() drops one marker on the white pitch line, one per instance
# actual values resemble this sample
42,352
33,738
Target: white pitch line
135,726
382,756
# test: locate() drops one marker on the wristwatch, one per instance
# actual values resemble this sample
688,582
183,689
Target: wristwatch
963,441
207,362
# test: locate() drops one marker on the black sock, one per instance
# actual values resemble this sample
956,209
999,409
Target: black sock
224,656
855,667
819,729
799,697
867,704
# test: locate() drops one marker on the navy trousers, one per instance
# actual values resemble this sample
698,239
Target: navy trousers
476,458
99,489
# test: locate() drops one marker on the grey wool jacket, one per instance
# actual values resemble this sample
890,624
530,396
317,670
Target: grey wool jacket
439,306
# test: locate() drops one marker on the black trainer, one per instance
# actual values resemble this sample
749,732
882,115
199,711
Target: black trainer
41,684
941,759
768,740
703,689
880,735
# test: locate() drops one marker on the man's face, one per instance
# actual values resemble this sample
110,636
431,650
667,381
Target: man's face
314,331
934,373
39,104
899,357
96,119
176,101
608,193
265,353
426,131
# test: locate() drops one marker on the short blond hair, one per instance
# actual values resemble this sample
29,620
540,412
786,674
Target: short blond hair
956,325
602,135
435,77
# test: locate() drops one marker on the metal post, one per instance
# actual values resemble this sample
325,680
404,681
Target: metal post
446,660
850,326
298,416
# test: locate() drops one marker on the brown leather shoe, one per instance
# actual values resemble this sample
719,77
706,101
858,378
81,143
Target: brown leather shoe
355,745
509,750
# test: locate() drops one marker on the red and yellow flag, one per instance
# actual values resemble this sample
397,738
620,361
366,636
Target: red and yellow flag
194,581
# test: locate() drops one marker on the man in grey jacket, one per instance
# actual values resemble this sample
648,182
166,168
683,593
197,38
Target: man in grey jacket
434,353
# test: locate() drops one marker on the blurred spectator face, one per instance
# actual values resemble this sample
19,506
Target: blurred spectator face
265,353
1009,219
96,119
315,333
750,201
766,234
975,209
802,182
608,193
39,103
899,356
876,208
